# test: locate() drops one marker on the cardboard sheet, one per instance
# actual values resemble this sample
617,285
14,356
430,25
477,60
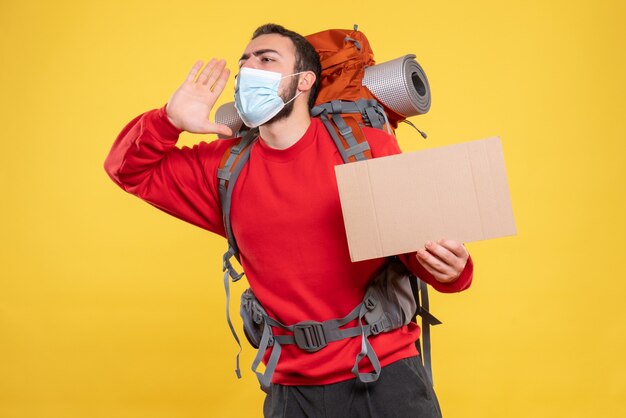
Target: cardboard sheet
393,205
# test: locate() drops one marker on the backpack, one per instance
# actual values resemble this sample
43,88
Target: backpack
395,297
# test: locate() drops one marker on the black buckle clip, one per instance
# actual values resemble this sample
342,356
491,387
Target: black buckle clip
309,336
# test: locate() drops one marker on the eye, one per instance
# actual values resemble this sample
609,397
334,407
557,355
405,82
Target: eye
267,59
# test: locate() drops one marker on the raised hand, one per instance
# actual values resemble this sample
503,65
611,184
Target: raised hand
444,259
189,107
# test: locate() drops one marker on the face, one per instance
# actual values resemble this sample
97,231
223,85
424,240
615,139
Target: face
276,53
271,53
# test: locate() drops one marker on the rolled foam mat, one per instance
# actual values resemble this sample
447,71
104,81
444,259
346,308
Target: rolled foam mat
400,84
227,115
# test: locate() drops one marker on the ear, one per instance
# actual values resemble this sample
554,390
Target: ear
306,81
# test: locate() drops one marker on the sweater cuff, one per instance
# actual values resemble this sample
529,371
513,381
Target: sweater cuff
163,126
460,283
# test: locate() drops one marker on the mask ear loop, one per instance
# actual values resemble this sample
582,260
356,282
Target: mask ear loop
298,93
293,98
291,75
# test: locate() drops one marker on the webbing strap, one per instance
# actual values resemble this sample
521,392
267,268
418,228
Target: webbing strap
366,350
356,150
224,173
331,335
239,155
227,274
265,379
330,332
427,320
333,135
371,111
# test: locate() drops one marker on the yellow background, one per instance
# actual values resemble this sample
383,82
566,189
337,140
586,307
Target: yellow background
110,308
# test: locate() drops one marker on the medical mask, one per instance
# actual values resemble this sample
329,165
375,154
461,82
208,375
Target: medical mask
256,95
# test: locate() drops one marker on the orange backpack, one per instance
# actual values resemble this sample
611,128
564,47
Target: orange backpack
344,54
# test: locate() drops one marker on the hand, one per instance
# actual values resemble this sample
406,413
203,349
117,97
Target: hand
189,107
445,259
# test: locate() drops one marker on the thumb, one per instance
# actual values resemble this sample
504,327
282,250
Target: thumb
218,128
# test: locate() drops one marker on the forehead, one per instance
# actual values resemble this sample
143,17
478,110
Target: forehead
281,44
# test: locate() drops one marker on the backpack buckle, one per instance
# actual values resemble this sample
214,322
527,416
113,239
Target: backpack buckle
370,302
382,325
309,336
227,266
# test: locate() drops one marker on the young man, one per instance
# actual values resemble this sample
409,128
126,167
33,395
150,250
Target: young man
287,219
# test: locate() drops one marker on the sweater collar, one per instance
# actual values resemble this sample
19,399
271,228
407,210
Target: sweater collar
288,154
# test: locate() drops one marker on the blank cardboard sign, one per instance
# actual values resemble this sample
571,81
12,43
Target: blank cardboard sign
393,205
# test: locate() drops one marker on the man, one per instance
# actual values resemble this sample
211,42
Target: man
287,219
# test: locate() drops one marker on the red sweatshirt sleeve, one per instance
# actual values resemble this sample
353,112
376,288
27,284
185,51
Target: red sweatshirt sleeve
145,162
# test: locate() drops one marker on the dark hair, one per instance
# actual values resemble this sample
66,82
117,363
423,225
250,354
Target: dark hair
307,58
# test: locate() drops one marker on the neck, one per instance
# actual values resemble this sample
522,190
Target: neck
287,131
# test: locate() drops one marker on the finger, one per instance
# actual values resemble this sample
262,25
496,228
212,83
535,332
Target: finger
455,247
434,266
220,83
216,73
443,254
432,263
194,71
206,71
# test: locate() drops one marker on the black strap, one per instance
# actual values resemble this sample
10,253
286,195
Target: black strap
420,293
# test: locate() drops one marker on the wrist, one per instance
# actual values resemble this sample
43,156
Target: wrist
170,119
167,125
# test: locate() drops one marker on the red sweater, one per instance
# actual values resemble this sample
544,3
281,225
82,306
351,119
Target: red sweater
287,220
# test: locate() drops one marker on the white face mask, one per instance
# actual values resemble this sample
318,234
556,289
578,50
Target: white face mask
256,95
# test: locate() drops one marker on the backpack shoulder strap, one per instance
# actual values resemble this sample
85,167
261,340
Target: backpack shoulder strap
346,131
233,161
348,137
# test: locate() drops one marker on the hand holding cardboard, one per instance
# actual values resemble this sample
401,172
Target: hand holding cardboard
444,259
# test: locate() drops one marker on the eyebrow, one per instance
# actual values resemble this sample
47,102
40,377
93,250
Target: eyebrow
257,53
